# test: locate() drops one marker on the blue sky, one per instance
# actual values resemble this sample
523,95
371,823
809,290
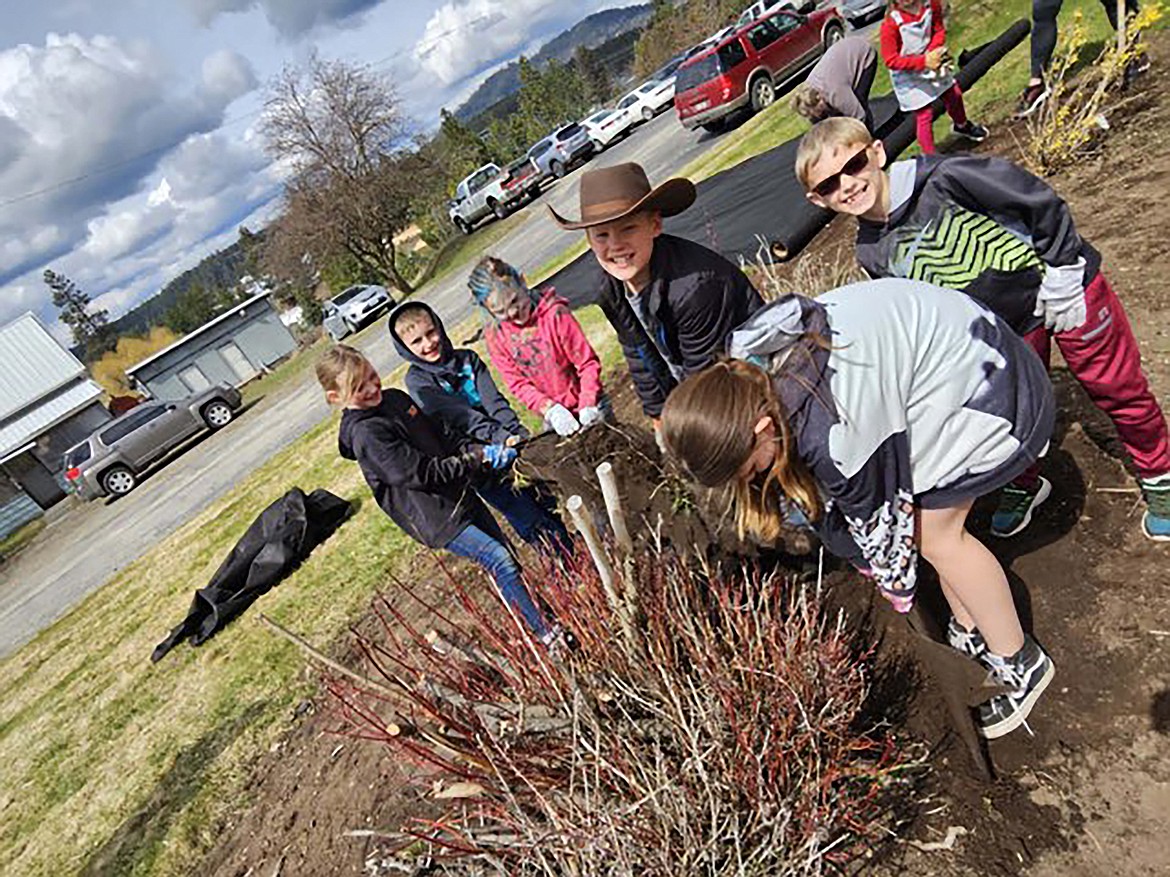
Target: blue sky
128,147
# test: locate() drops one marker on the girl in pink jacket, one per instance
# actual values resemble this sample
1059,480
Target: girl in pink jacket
539,349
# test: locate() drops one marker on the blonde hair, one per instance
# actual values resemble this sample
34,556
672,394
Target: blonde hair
411,316
810,103
708,425
834,132
340,370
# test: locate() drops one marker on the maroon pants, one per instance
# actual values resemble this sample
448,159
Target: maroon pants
1103,355
952,100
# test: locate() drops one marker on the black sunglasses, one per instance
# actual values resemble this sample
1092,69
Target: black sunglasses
853,167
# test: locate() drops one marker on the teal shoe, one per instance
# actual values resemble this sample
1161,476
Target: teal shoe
1016,505
1156,520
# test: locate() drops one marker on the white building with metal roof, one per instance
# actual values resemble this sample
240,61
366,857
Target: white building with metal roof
47,404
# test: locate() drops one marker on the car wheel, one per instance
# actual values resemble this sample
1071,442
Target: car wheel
217,414
597,146
118,481
647,114
557,169
500,211
463,225
763,94
833,35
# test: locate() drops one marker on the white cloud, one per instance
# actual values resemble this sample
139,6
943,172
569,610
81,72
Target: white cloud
463,36
291,18
227,75
84,121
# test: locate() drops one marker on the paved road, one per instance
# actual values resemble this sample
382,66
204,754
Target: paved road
83,547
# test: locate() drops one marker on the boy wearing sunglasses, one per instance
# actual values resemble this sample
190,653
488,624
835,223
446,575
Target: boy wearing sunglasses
992,230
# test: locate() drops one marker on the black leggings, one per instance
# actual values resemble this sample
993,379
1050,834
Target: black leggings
1044,14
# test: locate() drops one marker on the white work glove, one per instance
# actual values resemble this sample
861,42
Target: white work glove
591,415
561,419
1061,300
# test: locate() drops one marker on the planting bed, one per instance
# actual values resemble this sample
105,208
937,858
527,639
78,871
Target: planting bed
1086,794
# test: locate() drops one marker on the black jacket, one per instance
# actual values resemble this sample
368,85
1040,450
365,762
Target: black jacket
981,225
694,299
419,476
458,390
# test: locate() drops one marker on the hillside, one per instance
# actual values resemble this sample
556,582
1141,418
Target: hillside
590,32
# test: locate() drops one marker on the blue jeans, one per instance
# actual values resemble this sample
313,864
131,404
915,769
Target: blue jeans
490,551
532,515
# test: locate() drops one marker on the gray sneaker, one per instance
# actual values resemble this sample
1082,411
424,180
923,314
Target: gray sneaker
969,642
1028,673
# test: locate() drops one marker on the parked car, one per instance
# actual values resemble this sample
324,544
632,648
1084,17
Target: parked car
556,154
744,71
648,99
492,191
760,7
112,460
861,12
353,308
606,126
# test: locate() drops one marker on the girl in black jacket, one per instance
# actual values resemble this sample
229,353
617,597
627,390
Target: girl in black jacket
418,477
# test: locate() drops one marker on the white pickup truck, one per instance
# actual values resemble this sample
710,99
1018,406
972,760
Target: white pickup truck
493,191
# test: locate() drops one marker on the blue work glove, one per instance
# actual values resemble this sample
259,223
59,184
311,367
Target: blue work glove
498,456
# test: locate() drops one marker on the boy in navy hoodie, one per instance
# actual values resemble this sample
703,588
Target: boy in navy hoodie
419,477
455,387
987,227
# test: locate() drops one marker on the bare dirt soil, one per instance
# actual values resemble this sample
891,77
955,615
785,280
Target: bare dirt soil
1088,792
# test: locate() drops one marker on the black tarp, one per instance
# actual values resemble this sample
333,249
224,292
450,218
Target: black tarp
757,208
273,546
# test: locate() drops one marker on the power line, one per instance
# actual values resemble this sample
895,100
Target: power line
231,120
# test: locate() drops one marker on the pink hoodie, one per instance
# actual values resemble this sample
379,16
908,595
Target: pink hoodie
548,358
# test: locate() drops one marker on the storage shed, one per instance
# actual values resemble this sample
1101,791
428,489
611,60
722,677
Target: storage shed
47,404
231,349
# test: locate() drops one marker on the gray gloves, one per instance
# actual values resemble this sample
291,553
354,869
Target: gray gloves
1061,300
561,419
591,415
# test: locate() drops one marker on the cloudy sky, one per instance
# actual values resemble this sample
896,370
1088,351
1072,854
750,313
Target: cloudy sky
128,147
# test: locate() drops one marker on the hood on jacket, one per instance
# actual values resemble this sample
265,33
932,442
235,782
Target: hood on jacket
350,418
771,336
447,359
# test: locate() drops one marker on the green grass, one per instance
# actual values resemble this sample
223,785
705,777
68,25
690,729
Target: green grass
113,765
14,542
464,247
555,264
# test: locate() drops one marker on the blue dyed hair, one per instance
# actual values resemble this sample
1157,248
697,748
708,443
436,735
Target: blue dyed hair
491,274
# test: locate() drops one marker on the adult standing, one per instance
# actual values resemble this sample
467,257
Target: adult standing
840,83
1044,13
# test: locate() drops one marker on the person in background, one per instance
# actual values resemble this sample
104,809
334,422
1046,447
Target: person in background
839,83
914,48
454,387
671,301
420,478
882,409
538,348
1044,13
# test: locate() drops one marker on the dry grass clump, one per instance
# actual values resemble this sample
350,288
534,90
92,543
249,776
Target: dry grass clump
726,737
811,273
1073,122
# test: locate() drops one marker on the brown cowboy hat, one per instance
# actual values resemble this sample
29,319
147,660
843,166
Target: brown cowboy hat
610,193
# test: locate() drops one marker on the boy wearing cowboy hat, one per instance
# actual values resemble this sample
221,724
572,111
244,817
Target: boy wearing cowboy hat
671,301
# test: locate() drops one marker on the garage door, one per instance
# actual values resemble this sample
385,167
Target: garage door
194,378
239,364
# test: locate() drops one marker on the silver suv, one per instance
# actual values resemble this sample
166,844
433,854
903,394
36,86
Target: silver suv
353,308
559,151
111,461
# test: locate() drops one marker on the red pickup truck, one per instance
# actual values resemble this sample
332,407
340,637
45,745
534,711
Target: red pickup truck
745,68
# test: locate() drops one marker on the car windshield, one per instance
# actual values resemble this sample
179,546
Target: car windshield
342,297
517,165
597,117
540,148
697,72
649,86
76,456
568,131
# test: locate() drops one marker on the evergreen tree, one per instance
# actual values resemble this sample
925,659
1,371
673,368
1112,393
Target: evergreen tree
594,76
90,328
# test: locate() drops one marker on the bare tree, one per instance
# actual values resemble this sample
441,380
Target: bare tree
341,129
